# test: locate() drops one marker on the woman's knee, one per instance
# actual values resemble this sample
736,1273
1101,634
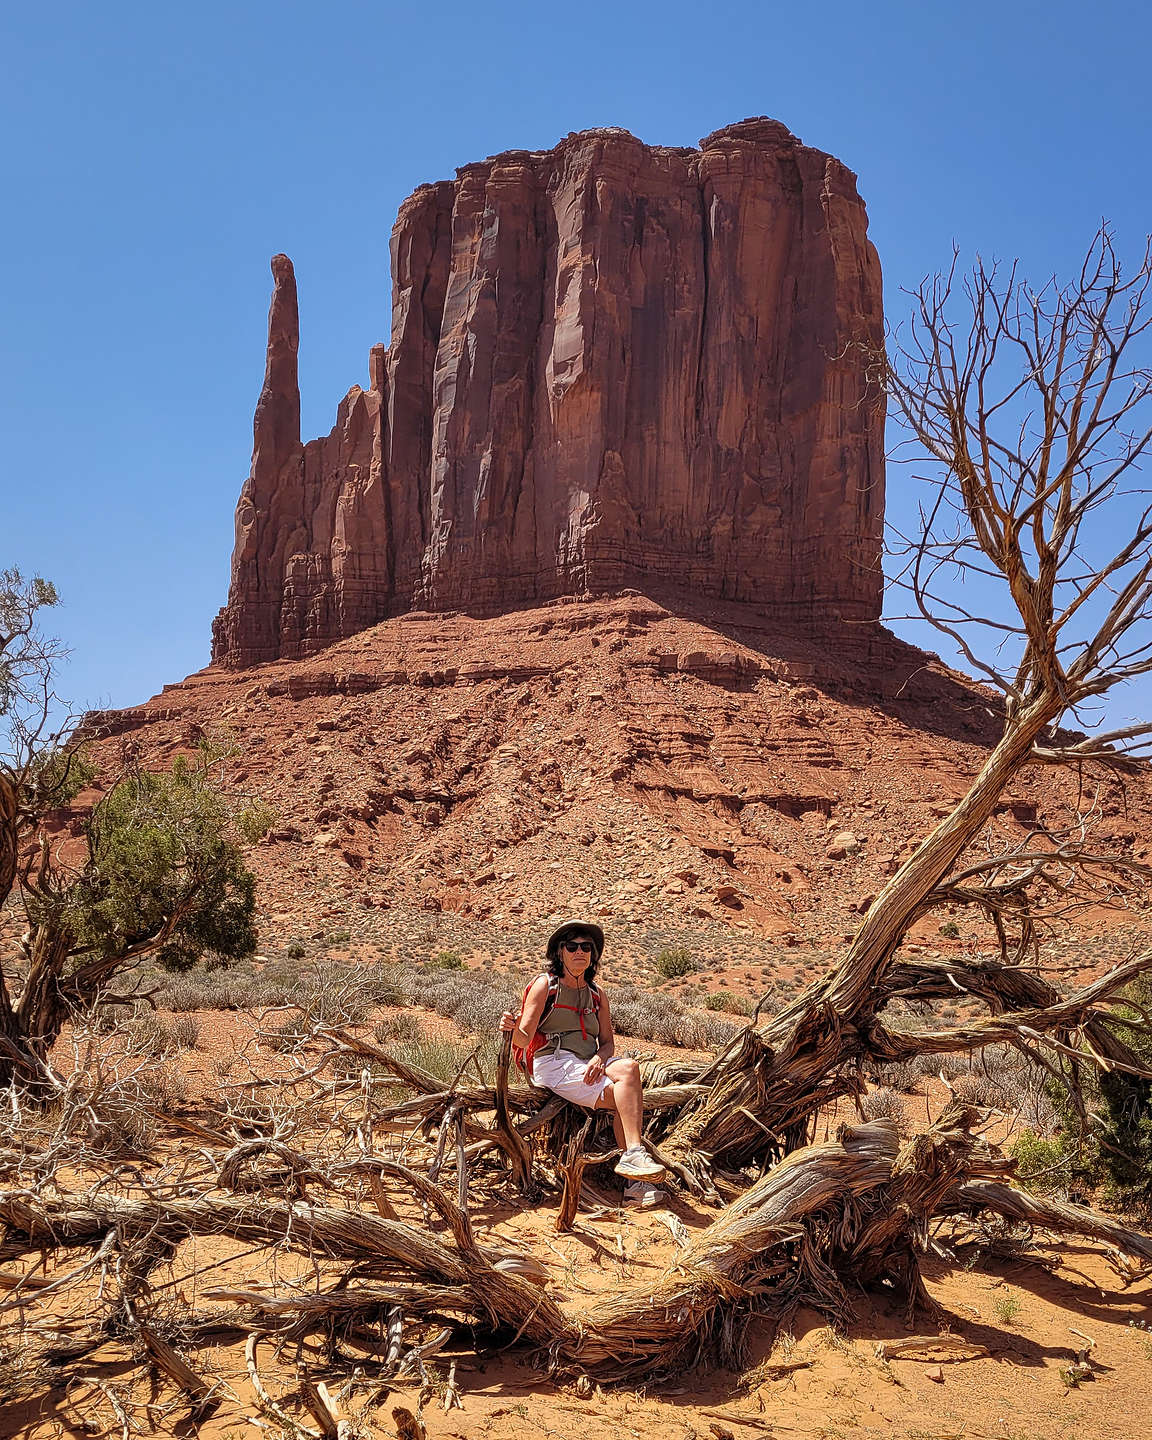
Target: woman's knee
627,1070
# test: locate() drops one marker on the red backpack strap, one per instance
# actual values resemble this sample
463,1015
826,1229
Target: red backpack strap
524,1056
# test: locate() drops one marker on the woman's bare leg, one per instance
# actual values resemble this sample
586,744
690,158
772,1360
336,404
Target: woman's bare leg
625,1098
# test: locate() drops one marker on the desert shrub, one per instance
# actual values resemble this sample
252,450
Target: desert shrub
674,961
187,994
950,930
1041,1164
647,1017
403,1027
447,960
295,950
973,1088
442,992
480,1009
185,1031
667,1020
339,937
1116,1150
254,821
243,994
146,1034
158,848
884,1104
383,983
706,1032
900,1076
951,1065
733,1004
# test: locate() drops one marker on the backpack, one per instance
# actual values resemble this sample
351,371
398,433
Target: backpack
523,1055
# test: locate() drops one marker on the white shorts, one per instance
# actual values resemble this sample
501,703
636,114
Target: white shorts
563,1073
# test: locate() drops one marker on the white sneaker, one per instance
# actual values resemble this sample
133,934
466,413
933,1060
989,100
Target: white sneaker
637,1164
640,1192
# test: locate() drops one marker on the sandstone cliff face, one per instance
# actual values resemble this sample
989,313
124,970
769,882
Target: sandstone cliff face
611,365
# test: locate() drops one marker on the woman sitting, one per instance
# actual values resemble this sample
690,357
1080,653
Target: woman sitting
576,1059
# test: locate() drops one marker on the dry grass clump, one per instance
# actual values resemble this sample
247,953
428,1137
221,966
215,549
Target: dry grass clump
902,1076
667,1020
400,1027
446,1059
473,999
885,1104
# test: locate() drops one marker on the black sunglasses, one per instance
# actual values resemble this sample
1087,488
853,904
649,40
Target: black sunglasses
575,945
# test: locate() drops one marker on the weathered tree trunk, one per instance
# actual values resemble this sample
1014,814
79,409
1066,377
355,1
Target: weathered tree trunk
30,1027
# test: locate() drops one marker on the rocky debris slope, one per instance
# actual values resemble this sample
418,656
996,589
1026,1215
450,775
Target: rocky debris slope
607,757
611,364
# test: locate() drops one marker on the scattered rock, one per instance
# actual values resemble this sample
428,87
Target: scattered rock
842,845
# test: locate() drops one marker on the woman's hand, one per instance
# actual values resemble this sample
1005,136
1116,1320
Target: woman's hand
595,1070
507,1022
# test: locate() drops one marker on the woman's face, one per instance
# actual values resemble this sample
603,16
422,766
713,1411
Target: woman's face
576,953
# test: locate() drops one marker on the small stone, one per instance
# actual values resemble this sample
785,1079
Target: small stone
842,845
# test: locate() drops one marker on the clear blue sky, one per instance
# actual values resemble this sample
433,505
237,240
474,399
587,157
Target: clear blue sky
156,155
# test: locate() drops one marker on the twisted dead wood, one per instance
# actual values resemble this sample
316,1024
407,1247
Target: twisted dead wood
828,1217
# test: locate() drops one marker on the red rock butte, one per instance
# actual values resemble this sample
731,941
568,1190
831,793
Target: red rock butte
612,365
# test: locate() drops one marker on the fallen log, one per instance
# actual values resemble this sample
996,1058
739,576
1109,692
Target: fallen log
1057,1215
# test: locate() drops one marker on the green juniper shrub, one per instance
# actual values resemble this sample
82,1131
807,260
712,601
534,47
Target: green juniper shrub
254,821
159,848
447,960
1115,1149
1041,1164
674,962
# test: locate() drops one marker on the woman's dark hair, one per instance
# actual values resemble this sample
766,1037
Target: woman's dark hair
556,960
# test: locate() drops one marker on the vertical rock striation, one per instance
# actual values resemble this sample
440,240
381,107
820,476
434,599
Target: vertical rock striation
611,364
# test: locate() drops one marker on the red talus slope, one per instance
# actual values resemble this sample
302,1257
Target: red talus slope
611,364
606,756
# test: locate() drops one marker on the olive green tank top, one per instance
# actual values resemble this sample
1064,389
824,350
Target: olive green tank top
562,1024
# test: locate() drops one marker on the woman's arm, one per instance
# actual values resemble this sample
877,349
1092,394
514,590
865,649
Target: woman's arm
607,1034
529,1019
607,1047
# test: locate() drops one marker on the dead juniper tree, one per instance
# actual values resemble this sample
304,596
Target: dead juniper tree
1031,411
158,871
